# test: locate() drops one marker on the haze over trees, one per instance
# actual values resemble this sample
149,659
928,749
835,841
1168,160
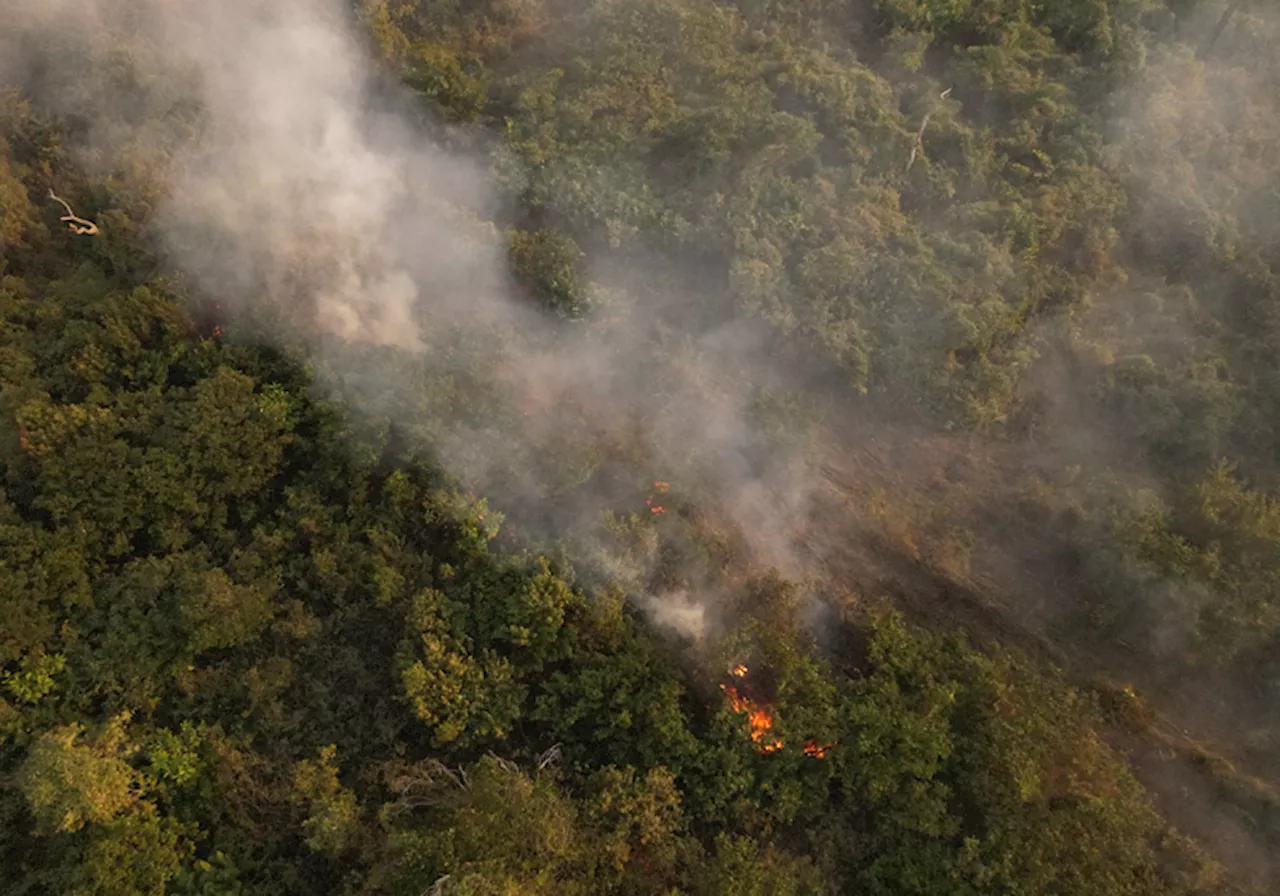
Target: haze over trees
639,446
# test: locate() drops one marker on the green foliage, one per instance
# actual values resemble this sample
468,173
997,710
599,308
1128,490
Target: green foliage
988,777
549,262
174,757
438,73
69,784
451,690
134,857
35,679
15,208
333,810
497,829
204,878
740,866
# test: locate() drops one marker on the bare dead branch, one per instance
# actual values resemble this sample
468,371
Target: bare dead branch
918,146
437,889
549,757
79,226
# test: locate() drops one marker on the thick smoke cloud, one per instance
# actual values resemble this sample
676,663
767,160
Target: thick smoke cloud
304,193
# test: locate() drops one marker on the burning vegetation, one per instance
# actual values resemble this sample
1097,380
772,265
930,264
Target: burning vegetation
760,717
660,487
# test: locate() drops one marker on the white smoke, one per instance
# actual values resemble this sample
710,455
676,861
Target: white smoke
305,191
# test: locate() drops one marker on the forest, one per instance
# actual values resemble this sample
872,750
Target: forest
519,447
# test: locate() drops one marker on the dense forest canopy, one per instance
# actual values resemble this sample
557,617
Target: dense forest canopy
639,446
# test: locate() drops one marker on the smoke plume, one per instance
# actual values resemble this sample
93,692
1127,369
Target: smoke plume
300,193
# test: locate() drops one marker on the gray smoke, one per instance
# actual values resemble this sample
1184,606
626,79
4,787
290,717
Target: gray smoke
301,191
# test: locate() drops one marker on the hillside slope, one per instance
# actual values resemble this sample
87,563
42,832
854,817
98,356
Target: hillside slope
639,447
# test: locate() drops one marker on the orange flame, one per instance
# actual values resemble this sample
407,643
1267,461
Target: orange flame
760,718
662,487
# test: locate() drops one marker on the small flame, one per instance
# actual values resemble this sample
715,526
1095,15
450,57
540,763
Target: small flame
661,486
812,748
739,671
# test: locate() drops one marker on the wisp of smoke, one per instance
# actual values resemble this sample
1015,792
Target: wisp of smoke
303,190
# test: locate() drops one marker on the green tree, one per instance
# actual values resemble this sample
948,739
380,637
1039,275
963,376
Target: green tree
69,784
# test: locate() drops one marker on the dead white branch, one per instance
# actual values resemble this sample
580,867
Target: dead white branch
79,226
924,123
549,757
